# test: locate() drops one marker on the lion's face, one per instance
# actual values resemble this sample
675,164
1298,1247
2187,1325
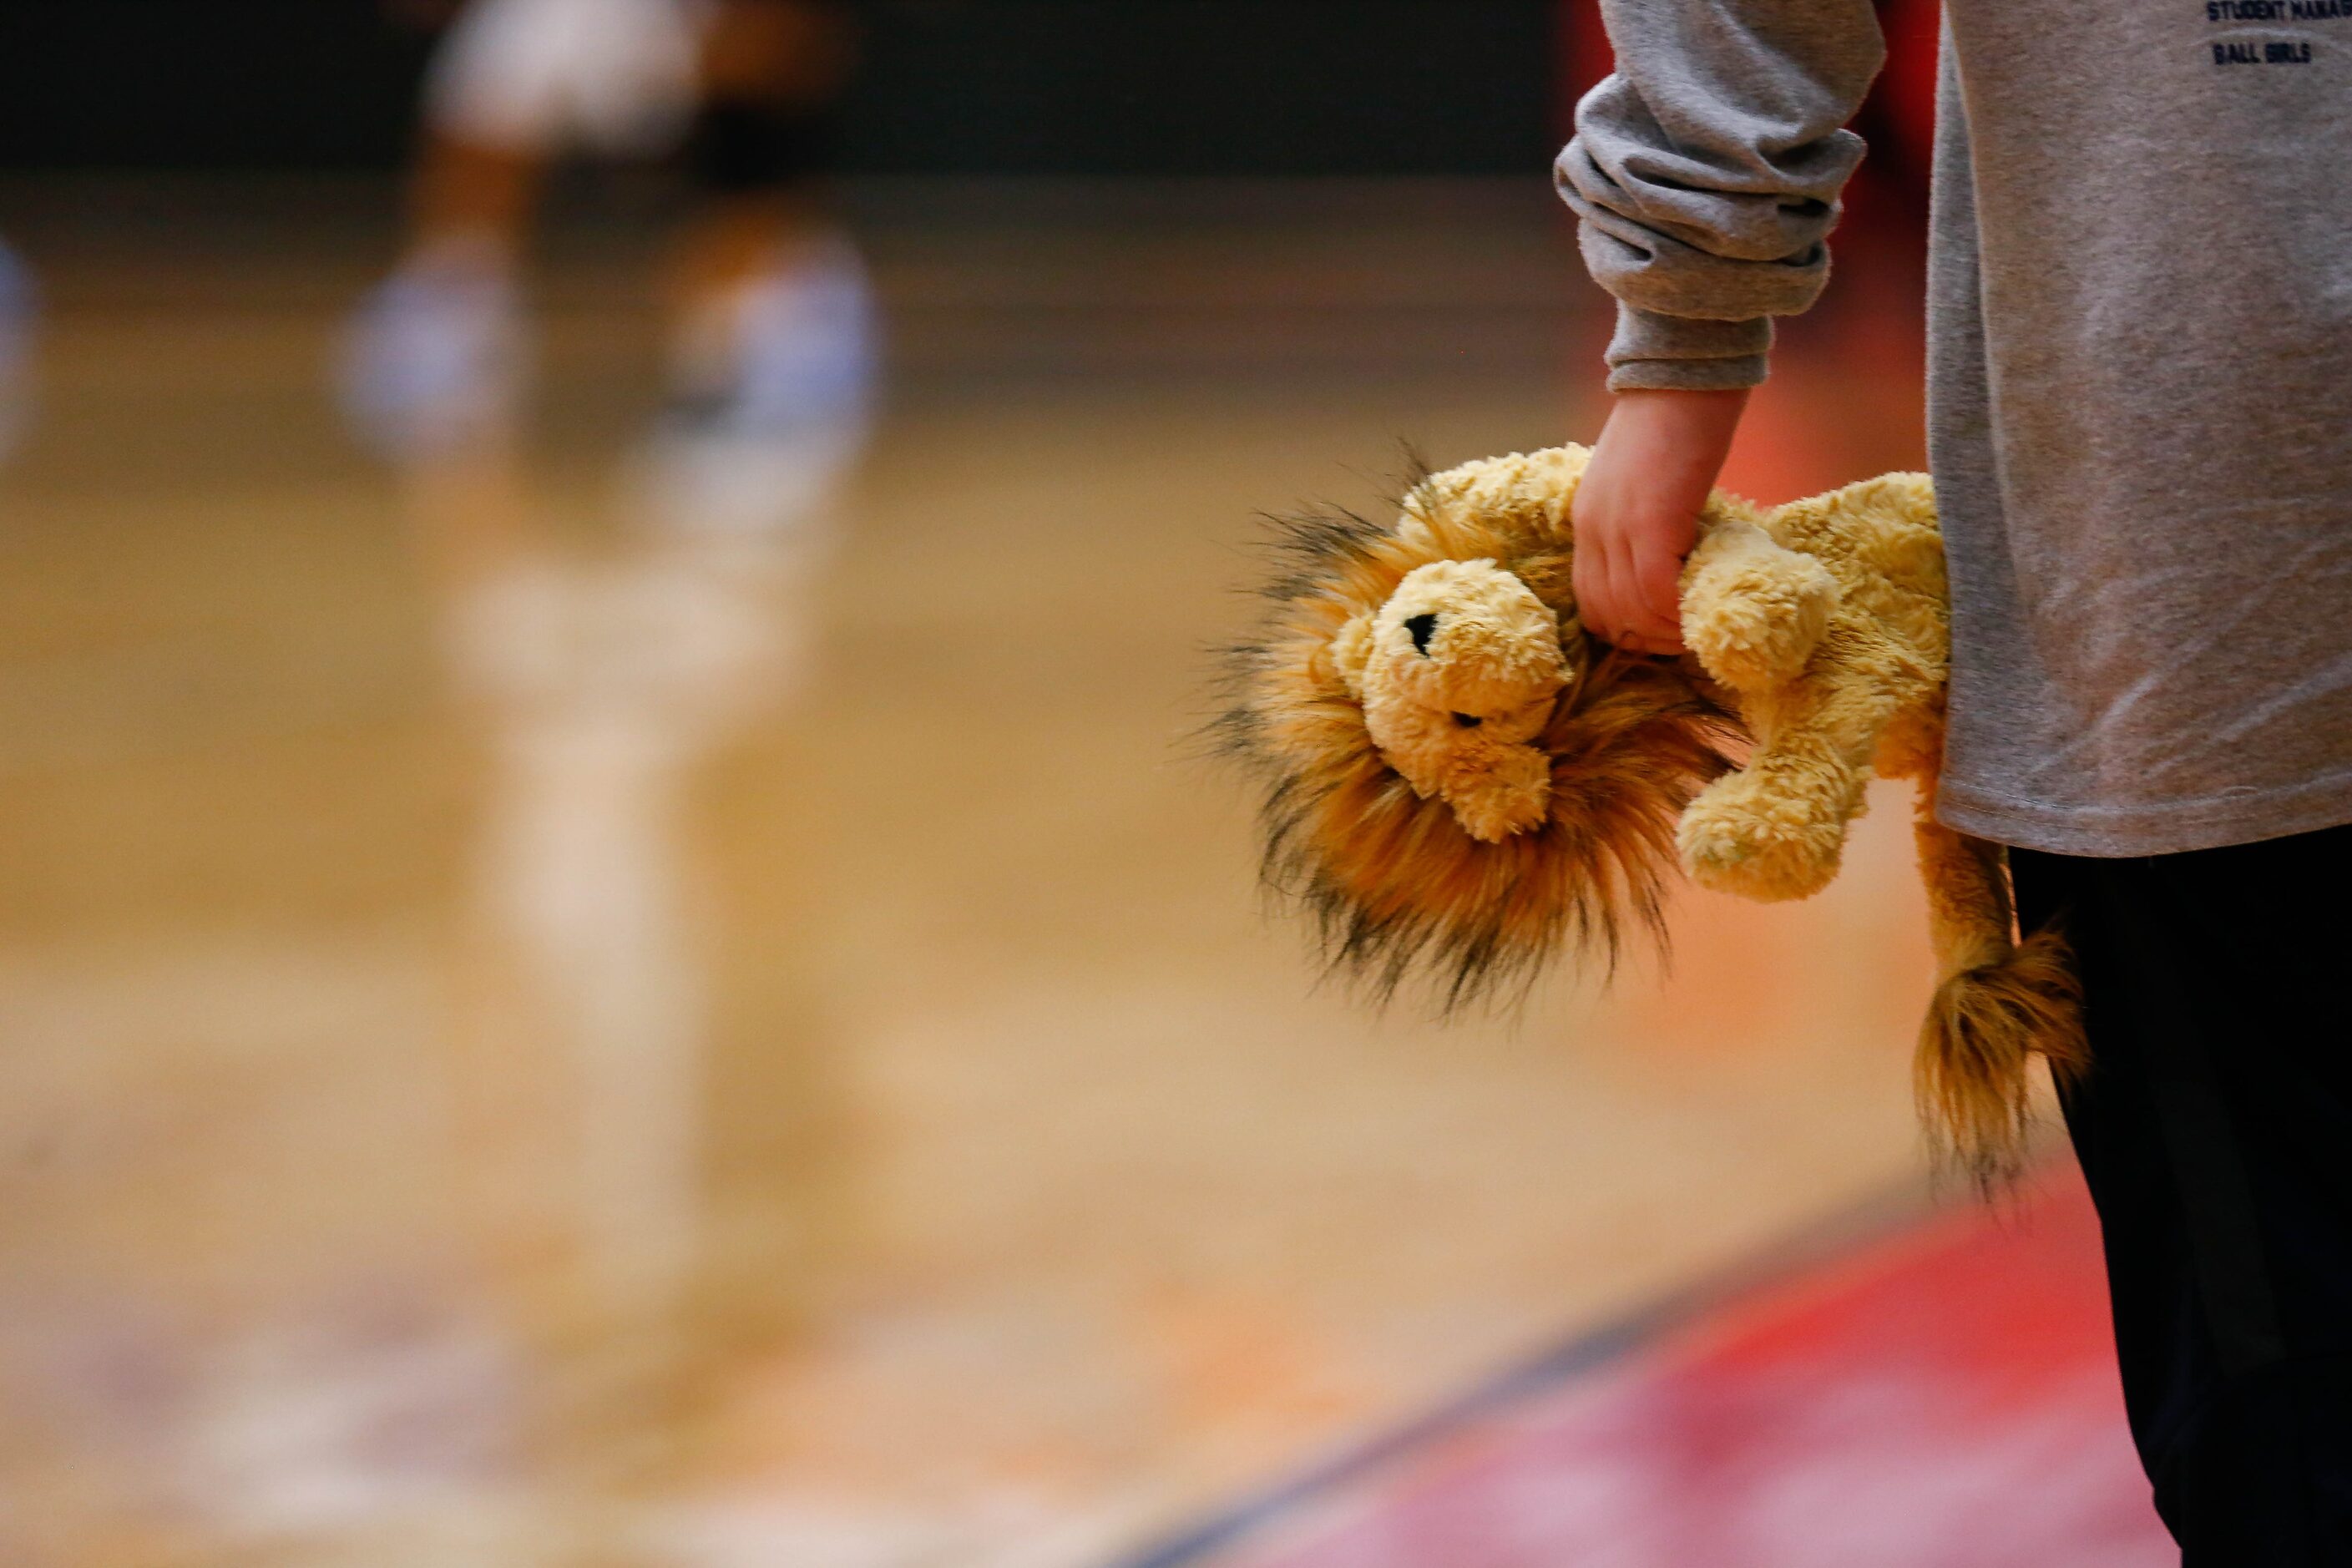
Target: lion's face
1457,674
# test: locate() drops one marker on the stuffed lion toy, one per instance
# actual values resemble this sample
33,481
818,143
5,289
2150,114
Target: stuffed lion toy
1458,783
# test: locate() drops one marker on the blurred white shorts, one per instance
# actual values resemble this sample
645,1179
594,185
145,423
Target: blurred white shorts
543,76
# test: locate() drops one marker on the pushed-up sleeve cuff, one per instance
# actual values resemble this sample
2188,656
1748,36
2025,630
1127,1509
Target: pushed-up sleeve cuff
1687,353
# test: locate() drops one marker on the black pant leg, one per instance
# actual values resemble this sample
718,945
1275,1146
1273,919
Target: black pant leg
2215,1132
2163,1344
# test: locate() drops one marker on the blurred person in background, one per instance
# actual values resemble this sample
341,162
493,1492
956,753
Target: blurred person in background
772,343
2151,697
601,1113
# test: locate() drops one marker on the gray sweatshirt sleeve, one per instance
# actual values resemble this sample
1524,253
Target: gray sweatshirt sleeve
1705,175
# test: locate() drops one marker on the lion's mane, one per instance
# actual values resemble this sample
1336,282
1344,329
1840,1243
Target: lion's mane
1398,892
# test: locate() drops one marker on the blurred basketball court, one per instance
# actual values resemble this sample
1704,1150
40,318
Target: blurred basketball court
894,1134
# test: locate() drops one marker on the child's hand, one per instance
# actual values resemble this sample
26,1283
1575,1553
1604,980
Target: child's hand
1636,511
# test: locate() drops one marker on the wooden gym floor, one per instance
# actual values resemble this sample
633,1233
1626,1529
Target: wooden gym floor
820,1091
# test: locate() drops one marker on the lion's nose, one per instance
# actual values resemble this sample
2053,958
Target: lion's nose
1422,628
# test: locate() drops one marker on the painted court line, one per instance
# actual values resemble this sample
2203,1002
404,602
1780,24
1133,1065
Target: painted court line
1893,1384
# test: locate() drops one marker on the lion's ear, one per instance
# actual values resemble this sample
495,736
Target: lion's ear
1351,653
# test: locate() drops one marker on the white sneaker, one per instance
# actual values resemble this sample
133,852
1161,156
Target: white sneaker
774,402
433,362
19,305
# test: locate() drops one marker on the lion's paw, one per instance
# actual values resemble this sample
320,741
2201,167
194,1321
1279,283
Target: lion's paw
1754,621
1740,836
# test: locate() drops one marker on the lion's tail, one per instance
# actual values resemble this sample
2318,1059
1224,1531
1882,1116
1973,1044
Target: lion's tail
1999,1003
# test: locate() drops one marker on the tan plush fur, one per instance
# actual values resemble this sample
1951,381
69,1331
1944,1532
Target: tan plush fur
1456,777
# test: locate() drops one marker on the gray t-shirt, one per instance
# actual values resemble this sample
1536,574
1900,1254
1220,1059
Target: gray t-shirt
2140,368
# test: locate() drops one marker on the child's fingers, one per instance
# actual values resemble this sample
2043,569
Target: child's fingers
1656,583
1623,605
1596,599
1628,593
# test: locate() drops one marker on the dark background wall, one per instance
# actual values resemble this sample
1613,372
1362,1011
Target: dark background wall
1181,86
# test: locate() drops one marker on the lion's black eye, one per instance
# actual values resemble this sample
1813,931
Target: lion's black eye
1423,628
1468,721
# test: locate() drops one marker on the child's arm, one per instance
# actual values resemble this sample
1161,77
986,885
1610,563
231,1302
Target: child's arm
1706,173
